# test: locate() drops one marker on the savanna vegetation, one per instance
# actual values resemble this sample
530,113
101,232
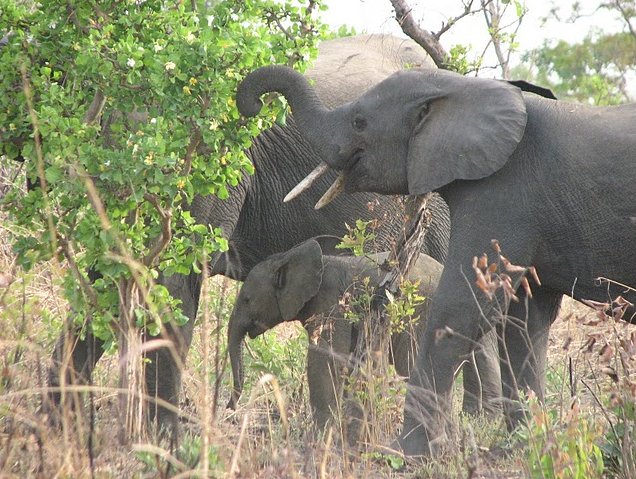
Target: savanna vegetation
113,117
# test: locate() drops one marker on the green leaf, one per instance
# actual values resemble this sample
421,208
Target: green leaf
53,174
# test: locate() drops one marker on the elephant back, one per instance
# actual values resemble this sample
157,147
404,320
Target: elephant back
366,60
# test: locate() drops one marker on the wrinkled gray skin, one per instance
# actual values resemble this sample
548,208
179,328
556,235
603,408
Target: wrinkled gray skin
304,285
257,223
554,182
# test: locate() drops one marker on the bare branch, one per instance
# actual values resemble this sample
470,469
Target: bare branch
422,37
467,12
626,16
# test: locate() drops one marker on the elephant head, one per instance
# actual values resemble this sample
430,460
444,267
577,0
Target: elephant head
276,290
413,133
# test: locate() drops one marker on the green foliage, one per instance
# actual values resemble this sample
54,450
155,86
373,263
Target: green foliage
592,71
285,358
394,462
561,448
458,61
619,446
358,237
188,454
342,31
124,113
401,310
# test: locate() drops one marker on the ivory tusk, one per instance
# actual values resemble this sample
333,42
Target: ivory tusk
309,180
334,190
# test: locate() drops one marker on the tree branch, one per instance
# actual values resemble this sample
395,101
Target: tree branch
626,16
467,11
95,108
422,37
160,243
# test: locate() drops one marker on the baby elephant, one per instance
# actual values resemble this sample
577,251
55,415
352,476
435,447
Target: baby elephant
302,284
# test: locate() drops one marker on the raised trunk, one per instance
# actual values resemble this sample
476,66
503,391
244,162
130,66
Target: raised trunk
236,333
309,112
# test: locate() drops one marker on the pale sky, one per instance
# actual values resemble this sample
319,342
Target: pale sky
376,16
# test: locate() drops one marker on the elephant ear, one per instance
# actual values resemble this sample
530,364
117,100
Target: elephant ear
471,128
298,277
328,245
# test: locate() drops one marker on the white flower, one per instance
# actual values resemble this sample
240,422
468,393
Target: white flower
210,19
170,66
131,63
190,37
153,121
157,48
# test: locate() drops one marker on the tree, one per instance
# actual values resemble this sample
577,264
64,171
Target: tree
122,112
499,21
595,70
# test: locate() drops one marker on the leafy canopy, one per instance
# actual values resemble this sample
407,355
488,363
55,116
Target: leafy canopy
123,113
593,71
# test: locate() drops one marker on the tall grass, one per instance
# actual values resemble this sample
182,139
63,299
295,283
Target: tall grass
271,434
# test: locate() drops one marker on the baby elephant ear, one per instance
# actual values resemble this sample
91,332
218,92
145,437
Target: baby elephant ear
470,130
298,278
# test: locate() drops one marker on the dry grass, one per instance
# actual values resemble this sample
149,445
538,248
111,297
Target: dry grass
270,436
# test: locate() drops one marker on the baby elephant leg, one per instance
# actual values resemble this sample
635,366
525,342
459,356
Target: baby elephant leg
327,357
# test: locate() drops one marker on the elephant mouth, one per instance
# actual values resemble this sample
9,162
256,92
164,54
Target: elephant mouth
256,330
335,189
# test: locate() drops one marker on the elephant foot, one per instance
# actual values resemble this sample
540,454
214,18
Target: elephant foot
515,414
418,443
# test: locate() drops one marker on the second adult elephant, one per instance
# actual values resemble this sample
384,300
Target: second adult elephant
553,181
257,224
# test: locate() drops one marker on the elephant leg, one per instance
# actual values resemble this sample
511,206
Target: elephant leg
163,370
524,346
325,362
404,346
482,377
73,361
428,397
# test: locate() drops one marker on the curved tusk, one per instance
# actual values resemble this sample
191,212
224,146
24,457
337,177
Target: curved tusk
334,190
309,180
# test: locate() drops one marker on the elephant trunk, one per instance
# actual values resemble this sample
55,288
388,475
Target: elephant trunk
236,333
311,116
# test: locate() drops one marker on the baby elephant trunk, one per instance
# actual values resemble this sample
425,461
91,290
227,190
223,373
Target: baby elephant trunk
236,333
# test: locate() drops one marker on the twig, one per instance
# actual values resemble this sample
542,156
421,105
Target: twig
165,236
452,21
626,16
192,147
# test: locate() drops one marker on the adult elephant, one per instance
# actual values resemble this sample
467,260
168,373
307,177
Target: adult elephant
554,182
257,224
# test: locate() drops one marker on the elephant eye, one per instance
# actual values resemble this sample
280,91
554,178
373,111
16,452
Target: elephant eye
359,123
